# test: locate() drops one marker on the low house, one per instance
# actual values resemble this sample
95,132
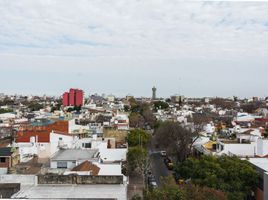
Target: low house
70,158
9,157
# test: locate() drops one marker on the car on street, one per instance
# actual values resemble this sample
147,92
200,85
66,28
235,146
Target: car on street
152,182
168,163
163,153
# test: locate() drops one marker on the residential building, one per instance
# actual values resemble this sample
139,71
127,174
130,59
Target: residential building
75,97
9,157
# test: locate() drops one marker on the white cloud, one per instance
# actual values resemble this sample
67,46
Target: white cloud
118,35
133,28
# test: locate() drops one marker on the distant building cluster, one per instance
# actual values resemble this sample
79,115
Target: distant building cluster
79,153
74,97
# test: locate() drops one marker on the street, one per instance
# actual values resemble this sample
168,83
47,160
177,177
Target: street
158,167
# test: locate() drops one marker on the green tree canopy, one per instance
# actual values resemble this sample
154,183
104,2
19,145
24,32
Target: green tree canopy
231,175
171,191
5,110
137,160
35,106
160,105
138,137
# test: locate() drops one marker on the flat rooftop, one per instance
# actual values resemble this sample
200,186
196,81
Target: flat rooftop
118,192
74,154
261,163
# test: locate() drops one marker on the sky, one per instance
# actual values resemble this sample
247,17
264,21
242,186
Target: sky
120,47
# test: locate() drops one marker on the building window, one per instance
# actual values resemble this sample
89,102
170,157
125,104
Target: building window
62,165
60,138
88,145
2,160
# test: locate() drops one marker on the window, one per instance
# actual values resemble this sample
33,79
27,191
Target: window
61,164
87,145
2,160
60,138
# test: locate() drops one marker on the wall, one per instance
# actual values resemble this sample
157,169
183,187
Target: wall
54,141
15,178
6,163
262,147
258,194
70,164
265,185
3,170
77,179
8,189
240,149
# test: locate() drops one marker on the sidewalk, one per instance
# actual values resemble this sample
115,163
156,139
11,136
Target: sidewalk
135,186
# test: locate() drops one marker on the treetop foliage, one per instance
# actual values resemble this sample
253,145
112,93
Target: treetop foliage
231,175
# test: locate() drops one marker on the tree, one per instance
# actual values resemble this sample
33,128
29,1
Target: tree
5,110
160,105
126,108
137,160
223,103
171,191
34,106
176,139
77,108
231,175
138,137
136,120
149,118
265,134
195,192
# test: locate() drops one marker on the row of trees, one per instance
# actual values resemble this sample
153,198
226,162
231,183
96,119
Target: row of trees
171,191
137,156
234,177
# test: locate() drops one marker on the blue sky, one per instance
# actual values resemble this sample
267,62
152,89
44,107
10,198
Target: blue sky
120,47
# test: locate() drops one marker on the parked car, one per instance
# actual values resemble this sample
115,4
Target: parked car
169,163
163,153
152,182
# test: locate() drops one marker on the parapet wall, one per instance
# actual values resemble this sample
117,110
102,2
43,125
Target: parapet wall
17,178
8,189
78,179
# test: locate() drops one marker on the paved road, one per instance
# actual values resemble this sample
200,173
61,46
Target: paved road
159,168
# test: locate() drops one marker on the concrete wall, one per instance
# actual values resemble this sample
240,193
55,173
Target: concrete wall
262,147
3,170
8,189
240,149
70,164
67,140
265,185
77,179
15,178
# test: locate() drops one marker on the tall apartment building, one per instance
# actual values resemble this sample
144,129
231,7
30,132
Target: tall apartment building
74,97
